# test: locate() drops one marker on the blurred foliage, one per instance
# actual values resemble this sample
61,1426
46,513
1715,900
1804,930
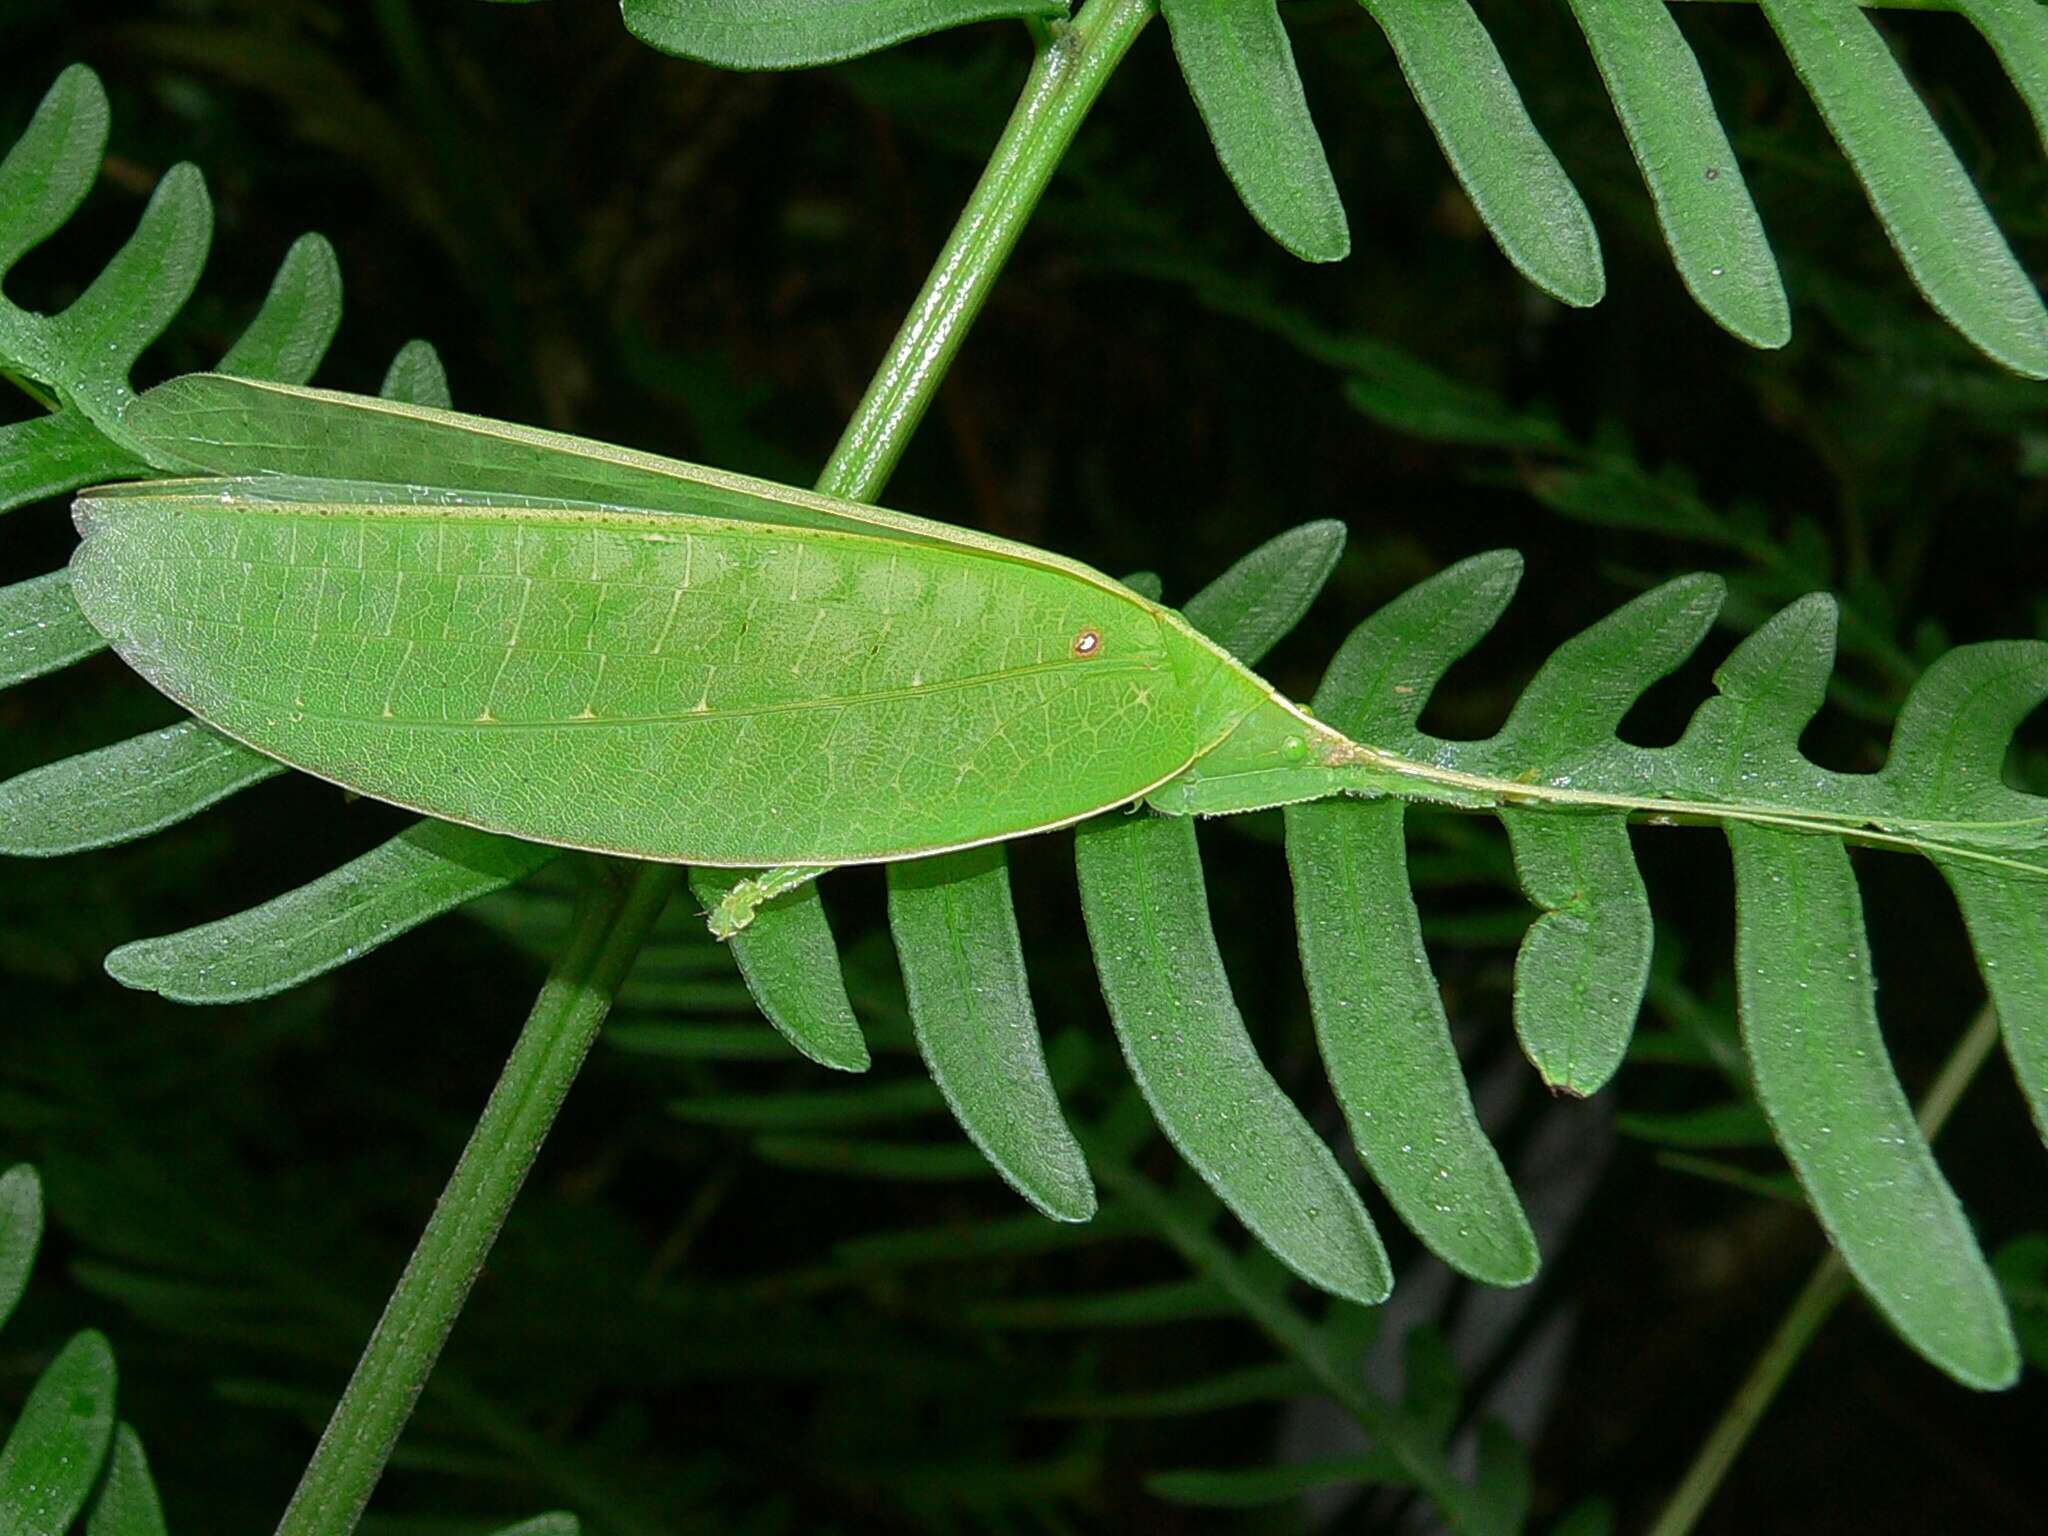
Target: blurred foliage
742,1295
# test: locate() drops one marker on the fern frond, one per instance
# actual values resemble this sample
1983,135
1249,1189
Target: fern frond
1925,200
80,360
1703,205
1241,73
1566,788
66,1439
1514,180
970,1004
1240,70
1809,1021
430,868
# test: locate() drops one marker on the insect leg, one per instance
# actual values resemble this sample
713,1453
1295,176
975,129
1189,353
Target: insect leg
736,908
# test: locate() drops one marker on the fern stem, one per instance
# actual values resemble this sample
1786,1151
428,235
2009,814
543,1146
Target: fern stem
618,909
1074,62
1815,1304
1072,65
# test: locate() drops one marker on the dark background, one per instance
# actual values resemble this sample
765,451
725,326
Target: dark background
708,265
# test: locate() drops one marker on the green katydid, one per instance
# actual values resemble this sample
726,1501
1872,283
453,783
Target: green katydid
582,645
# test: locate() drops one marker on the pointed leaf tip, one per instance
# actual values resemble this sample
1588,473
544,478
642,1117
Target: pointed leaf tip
1709,220
1809,1026
1931,211
1513,178
1240,70
1252,606
970,1005
53,1455
127,1503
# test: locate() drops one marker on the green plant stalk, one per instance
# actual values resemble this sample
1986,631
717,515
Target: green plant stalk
1817,1299
1073,64
619,907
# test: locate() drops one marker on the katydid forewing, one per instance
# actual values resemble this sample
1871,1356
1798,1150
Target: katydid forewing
583,645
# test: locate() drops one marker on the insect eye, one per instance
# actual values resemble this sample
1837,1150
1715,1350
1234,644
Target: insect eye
1088,643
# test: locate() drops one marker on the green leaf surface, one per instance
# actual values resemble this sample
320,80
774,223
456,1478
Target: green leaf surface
790,963
1240,70
296,324
430,868
127,1503
796,34
1941,793
1948,757
1584,964
1703,204
963,653
41,629
2008,926
1922,195
970,1004
42,182
21,1233
1506,168
1386,1042
2018,32
1146,908
53,1453
143,785
125,791
86,351
46,456
1580,977
416,376
51,167
1809,1024
1251,607
1380,1022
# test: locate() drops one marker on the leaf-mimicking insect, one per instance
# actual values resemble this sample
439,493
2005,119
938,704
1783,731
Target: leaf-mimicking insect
581,645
